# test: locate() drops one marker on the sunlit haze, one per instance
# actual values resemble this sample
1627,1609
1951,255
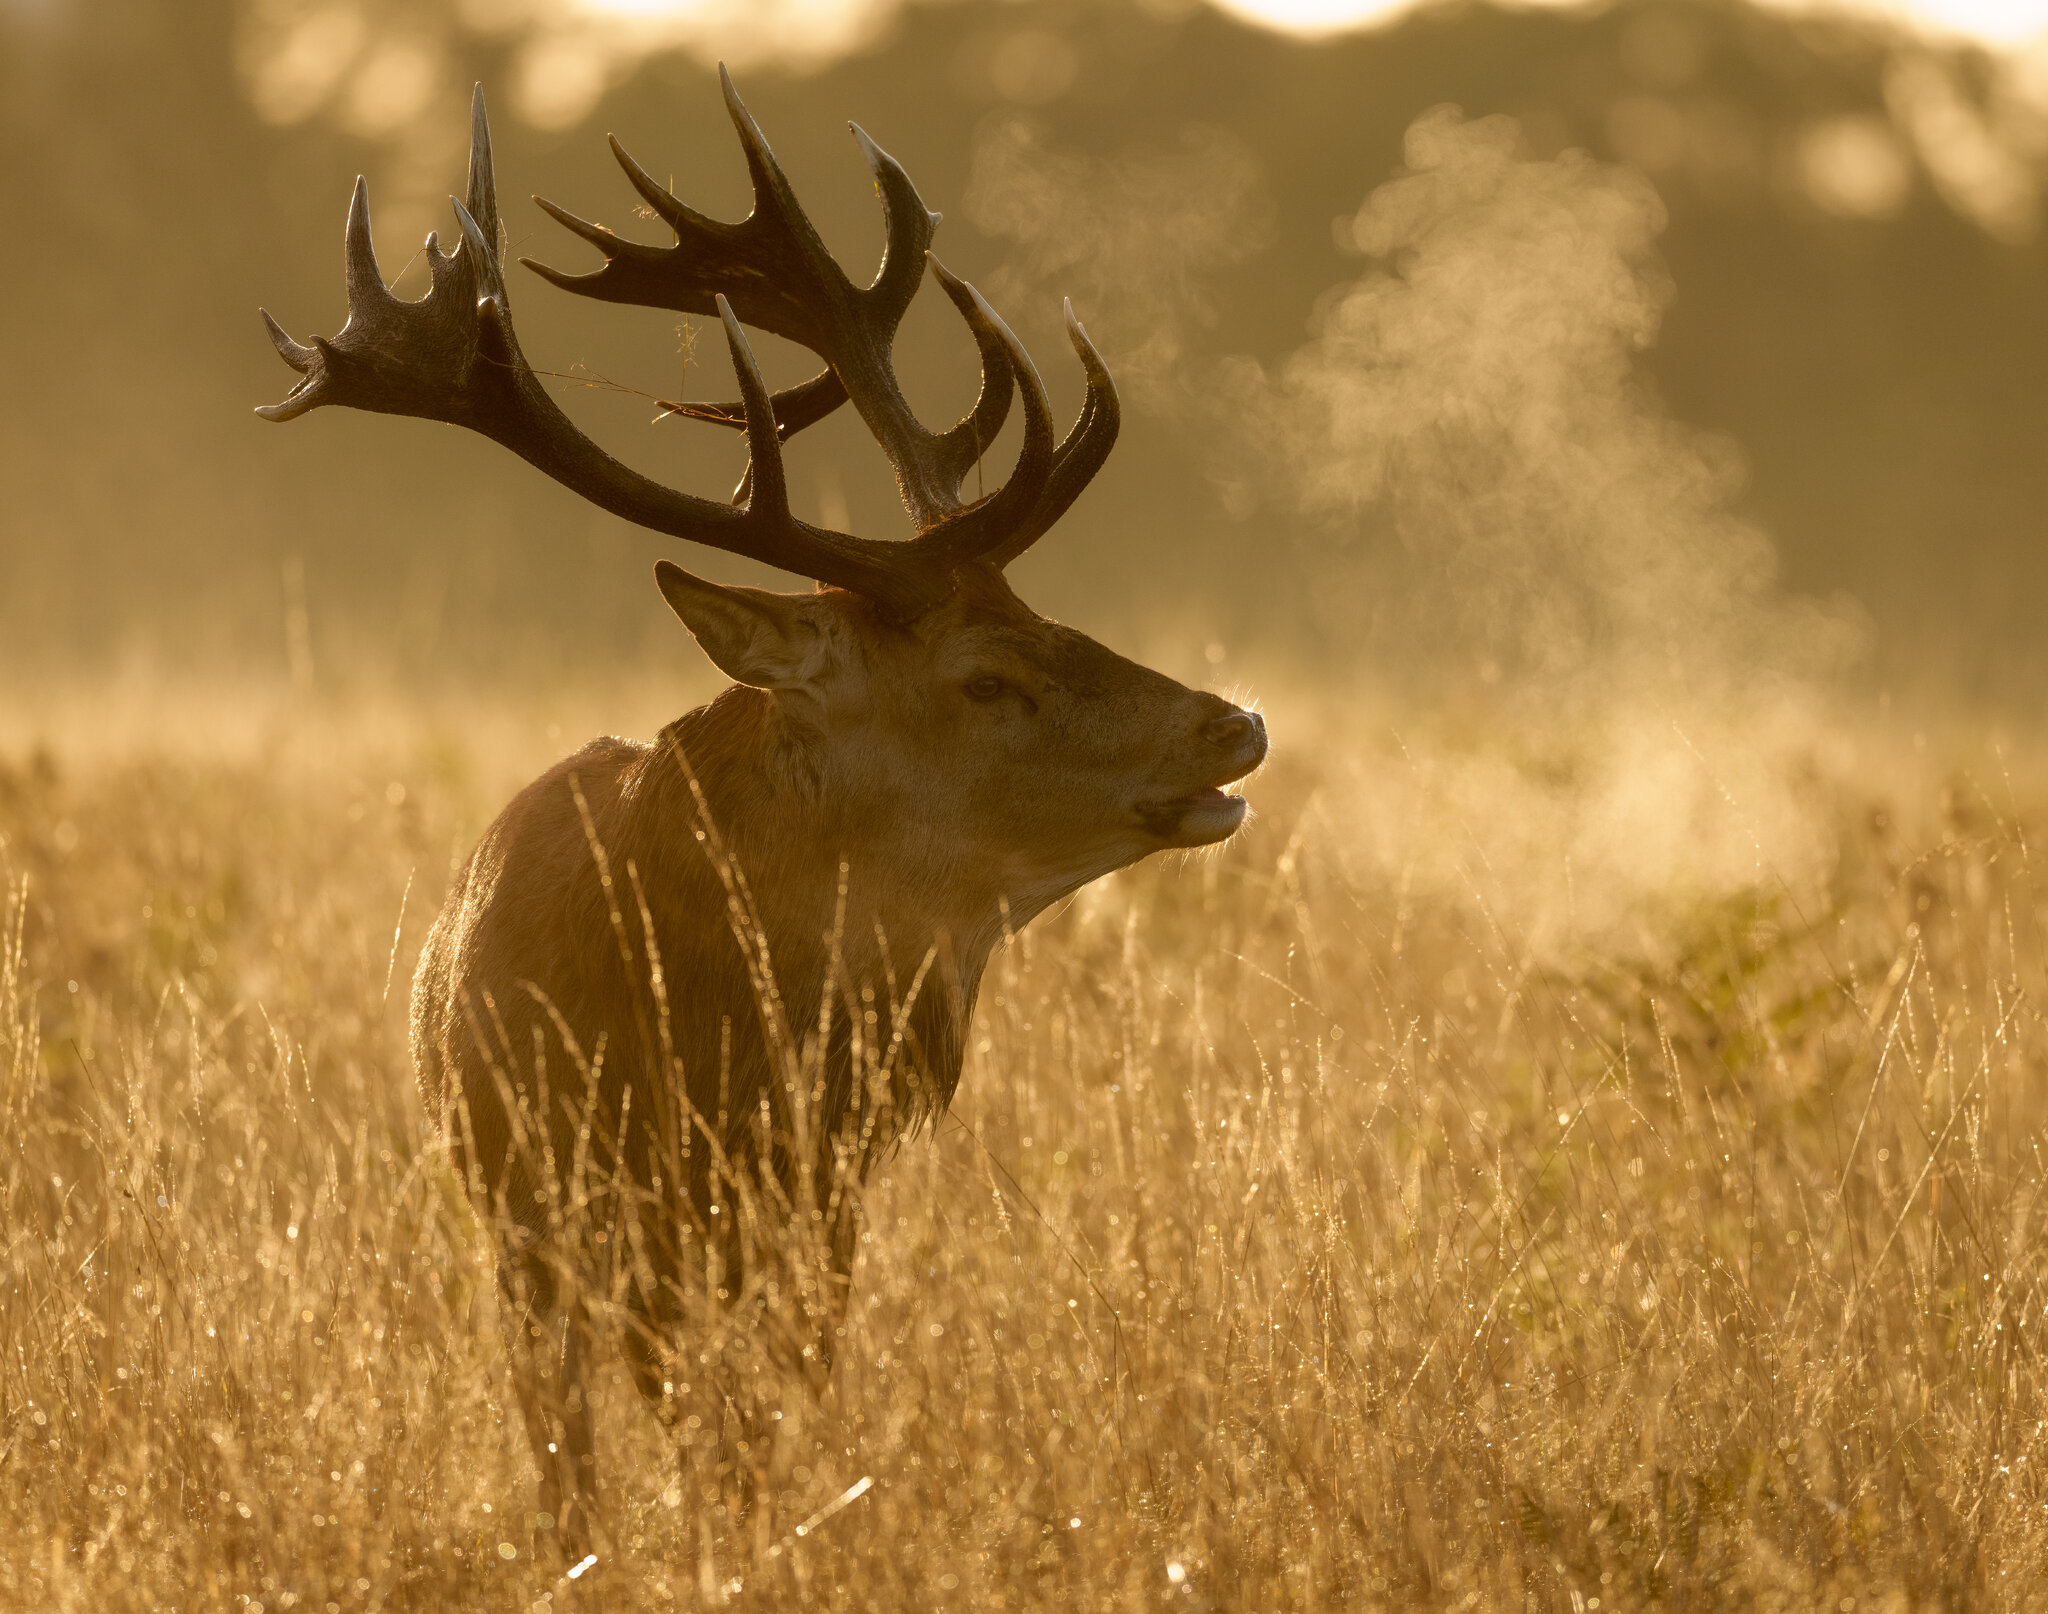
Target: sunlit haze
1379,940
1994,22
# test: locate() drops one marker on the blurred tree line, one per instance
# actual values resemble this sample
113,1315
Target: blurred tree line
1861,308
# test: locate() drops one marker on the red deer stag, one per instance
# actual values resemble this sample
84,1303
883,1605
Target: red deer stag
689,990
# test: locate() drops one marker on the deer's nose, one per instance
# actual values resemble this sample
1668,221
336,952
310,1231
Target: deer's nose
1240,731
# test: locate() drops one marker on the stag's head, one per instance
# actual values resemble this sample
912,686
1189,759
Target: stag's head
928,700
1009,755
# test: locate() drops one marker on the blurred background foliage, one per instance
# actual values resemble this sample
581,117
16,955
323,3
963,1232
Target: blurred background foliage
1851,278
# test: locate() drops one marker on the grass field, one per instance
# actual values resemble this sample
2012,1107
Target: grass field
1324,1224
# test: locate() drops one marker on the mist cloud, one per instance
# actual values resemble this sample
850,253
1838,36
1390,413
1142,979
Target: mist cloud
1469,427
1504,524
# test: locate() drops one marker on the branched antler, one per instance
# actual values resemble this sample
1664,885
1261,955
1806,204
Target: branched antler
453,356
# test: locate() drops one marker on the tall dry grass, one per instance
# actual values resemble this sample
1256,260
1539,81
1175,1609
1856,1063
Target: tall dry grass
1305,1236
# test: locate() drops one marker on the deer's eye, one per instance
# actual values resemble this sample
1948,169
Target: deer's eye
985,688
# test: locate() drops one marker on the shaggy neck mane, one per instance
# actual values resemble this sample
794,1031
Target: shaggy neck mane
783,860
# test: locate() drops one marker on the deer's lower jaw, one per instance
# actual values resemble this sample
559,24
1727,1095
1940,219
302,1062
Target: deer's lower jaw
1200,818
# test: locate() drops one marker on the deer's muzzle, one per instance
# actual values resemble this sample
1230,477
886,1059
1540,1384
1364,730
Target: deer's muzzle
1235,744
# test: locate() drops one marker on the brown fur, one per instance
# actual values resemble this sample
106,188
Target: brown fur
874,820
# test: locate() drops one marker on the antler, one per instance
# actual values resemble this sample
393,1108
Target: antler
453,356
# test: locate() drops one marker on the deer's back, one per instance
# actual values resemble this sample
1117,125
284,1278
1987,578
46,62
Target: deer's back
525,944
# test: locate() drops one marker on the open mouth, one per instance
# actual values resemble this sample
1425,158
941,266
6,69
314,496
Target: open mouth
1211,796
1195,819
1210,813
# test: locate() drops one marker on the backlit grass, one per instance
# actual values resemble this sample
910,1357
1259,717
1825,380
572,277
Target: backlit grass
1305,1234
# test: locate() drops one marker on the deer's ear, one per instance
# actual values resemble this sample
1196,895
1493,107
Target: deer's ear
768,640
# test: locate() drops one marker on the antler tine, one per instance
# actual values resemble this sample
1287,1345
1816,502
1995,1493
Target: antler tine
773,196
961,445
907,226
490,281
481,193
674,211
767,488
296,354
976,531
611,245
365,280
1080,454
